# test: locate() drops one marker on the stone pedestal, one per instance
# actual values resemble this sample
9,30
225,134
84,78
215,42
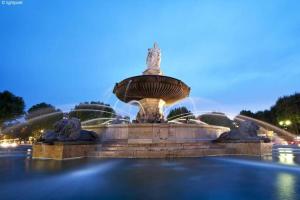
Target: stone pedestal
152,72
63,151
151,110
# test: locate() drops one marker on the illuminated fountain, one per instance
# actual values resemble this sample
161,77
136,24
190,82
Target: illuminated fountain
152,90
150,136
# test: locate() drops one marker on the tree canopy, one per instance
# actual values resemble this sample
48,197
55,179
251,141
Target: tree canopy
286,108
180,112
39,110
11,106
39,118
91,110
40,106
217,119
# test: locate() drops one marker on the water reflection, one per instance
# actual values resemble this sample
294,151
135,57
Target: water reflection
287,159
43,165
288,155
260,163
214,178
286,186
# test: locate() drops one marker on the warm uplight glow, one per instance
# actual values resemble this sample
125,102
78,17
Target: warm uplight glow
288,122
13,144
7,144
285,123
281,123
4,145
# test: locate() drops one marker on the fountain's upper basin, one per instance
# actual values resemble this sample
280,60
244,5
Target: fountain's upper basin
166,88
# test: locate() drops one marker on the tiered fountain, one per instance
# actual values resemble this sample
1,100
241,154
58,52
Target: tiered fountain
153,90
149,136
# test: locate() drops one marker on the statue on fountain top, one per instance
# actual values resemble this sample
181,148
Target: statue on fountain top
153,61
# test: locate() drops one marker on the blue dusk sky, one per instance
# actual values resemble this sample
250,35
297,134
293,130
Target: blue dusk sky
233,54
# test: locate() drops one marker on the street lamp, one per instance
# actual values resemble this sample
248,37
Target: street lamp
281,123
288,122
285,123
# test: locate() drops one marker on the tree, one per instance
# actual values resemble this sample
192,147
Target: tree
39,118
286,108
266,115
247,113
180,112
11,106
39,110
217,119
91,110
33,127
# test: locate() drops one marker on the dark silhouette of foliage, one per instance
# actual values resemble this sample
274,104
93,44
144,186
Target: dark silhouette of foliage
40,117
180,112
11,106
217,119
285,108
39,110
91,110
33,127
247,113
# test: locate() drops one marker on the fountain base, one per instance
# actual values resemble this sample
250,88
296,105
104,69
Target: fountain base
151,111
151,141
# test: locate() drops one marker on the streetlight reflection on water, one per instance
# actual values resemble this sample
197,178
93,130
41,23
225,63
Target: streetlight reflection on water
286,156
286,186
286,159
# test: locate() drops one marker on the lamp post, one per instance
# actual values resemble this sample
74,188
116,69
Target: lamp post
285,123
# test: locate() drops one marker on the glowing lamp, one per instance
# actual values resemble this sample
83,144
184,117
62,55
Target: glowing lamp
288,122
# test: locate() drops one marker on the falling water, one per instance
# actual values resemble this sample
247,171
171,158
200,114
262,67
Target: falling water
93,110
125,95
139,103
115,104
101,118
30,121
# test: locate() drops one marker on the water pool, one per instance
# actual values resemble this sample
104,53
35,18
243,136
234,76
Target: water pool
242,178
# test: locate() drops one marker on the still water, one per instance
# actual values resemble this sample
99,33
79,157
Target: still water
241,178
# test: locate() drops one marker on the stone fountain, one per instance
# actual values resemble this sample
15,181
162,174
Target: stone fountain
152,90
151,136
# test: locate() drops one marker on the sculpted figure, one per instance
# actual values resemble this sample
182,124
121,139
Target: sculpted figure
154,57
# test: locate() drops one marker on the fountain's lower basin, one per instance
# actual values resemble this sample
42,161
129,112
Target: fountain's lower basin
151,141
157,133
